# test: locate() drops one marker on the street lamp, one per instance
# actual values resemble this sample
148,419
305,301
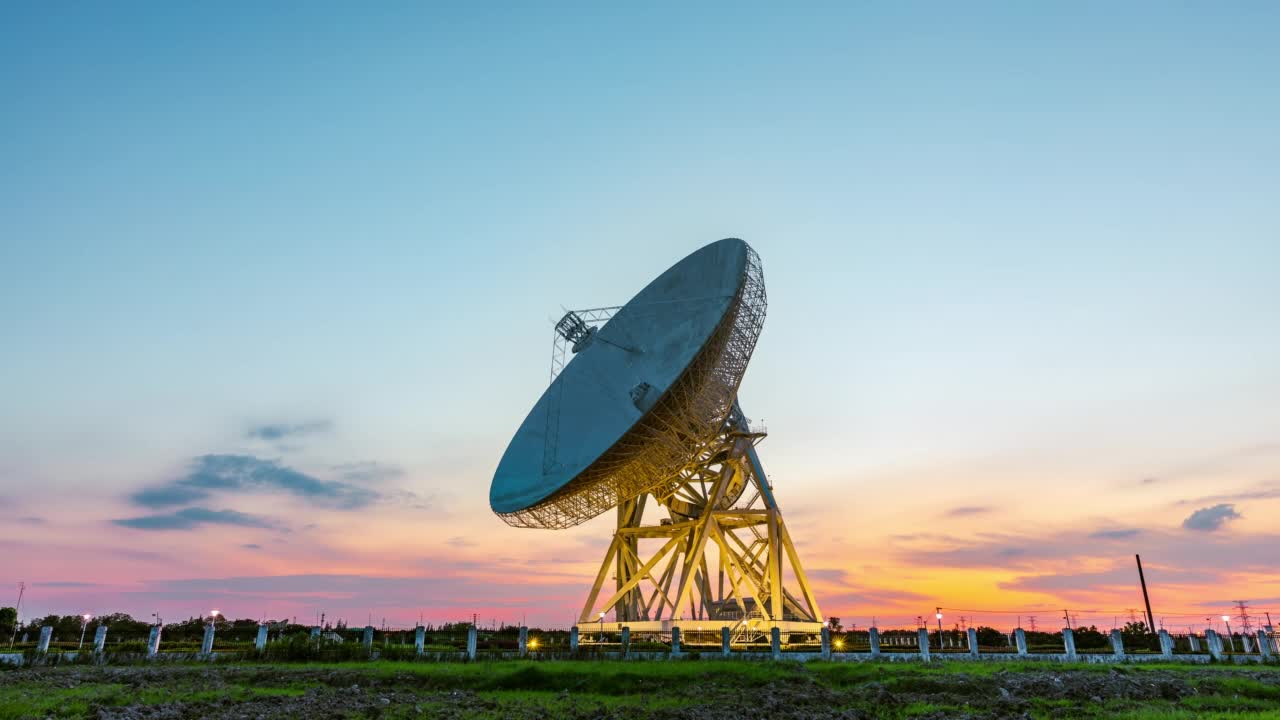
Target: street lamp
1231,643
939,616
84,623
213,616
601,627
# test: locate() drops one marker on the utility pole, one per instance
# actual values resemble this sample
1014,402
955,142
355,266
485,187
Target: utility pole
1066,616
17,613
1151,620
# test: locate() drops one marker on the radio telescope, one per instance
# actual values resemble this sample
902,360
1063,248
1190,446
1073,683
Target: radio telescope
642,413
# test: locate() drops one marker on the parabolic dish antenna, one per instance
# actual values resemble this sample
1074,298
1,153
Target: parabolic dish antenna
646,407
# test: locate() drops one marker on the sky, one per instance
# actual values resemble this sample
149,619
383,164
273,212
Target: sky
277,284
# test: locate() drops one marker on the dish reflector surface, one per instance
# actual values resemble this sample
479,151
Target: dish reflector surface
601,413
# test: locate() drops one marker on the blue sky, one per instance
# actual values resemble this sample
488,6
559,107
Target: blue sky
1032,243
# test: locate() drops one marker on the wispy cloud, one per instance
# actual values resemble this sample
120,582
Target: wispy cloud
32,520
1117,577
45,548
244,473
1211,518
275,432
1032,552
65,584
1215,463
367,471
251,546
1263,492
968,510
194,517
1118,534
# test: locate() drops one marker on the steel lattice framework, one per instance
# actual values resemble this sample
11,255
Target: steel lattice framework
668,444
722,559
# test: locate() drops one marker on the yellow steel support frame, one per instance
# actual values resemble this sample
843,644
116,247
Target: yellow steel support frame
674,587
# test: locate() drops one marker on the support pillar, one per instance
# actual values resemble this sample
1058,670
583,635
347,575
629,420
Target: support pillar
724,641
573,639
1214,642
1069,643
315,633
206,647
42,645
419,639
675,642
1264,645
973,643
153,641
826,643
1194,641
524,641
368,638
1020,637
1166,645
626,641
923,641
775,643
260,643
100,639
873,637
1117,644
471,642
1247,642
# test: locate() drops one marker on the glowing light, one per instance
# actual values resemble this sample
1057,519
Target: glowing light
939,616
87,617
839,644
1226,618
533,643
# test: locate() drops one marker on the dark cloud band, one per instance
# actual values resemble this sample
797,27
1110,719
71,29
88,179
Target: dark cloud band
248,474
194,517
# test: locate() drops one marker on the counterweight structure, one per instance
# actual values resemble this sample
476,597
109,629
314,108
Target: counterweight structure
645,417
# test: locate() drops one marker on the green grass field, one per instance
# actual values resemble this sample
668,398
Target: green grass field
658,689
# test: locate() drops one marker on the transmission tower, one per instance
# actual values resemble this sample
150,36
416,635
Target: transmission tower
1242,606
1032,619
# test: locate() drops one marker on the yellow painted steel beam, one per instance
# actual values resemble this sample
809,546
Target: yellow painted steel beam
796,568
644,572
600,576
